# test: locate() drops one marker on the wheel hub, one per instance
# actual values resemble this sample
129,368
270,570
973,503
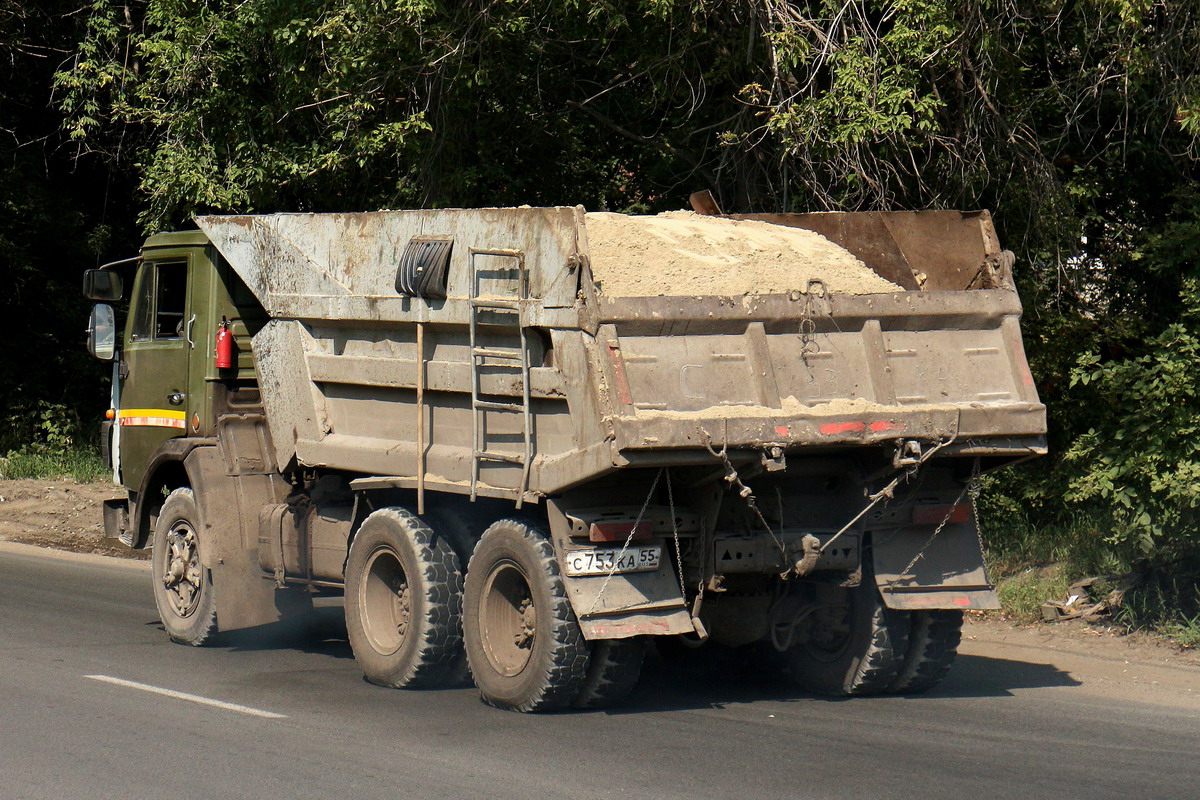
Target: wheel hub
508,619
828,634
386,600
182,576
524,637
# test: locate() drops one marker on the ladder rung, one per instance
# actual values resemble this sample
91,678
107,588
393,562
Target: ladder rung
487,455
491,352
506,305
488,405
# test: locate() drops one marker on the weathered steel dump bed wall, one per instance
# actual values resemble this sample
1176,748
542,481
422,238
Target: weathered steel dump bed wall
611,379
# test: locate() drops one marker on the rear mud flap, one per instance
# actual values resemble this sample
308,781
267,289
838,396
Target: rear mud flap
916,572
631,604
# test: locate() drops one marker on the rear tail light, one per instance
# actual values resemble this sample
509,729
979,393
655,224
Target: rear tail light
619,531
934,515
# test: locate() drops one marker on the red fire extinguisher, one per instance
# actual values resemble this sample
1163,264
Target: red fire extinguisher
224,358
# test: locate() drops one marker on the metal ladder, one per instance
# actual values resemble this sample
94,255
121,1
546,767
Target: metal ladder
516,358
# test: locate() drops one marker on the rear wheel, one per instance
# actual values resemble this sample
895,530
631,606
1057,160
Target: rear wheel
461,525
523,642
403,601
852,644
183,587
932,646
613,670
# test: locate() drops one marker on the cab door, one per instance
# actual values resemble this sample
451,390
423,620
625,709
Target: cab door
154,399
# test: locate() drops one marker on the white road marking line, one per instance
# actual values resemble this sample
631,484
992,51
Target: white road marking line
194,698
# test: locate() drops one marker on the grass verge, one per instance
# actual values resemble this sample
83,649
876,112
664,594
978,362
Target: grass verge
1023,593
1032,565
39,462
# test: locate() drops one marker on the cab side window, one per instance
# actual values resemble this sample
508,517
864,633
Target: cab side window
161,300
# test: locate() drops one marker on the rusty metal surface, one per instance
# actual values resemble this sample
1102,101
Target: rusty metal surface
932,250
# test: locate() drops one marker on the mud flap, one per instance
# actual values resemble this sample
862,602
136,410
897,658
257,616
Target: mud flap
631,604
623,605
229,506
245,597
948,570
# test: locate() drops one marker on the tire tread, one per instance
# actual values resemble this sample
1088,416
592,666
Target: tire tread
932,647
439,630
563,675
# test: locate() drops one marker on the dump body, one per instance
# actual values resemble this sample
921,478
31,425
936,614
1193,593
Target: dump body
617,380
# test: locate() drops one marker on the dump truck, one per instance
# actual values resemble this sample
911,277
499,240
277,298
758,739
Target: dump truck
523,444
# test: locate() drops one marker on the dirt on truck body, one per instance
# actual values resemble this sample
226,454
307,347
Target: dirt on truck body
527,442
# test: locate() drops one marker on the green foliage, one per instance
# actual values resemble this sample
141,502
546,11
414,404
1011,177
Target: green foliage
1017,538
1143,461
80,464
56,448
1166,602
56,218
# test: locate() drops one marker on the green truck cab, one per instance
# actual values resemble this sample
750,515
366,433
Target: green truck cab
167,389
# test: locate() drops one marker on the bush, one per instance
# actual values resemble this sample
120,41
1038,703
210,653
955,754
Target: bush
56,448
1140,464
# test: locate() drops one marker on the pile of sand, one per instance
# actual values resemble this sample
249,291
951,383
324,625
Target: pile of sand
684,253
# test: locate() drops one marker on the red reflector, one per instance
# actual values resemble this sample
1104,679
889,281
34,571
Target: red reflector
962,601
830,428
933,515
619,531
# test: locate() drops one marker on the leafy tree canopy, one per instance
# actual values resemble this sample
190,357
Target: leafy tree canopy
1077,122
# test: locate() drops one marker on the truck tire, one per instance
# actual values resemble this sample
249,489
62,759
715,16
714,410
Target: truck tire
932,645
523,642
461,526
183,587
403,601
613,670
856,648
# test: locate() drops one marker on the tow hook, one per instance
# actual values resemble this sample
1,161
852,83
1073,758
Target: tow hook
908,454
773,459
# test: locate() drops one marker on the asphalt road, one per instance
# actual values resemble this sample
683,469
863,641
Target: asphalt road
300,722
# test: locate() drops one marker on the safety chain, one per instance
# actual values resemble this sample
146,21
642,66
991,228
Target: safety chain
808,327
675,535
628,539
886,492
973,491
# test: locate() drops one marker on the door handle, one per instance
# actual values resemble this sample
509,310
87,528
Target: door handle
176,398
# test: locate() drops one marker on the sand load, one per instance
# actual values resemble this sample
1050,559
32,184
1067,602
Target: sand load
684,253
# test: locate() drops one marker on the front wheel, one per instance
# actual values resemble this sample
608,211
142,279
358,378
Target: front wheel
523,642
183,587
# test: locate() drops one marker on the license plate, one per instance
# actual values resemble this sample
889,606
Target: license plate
604,561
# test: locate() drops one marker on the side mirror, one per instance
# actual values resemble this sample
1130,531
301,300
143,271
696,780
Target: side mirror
102,332
102,284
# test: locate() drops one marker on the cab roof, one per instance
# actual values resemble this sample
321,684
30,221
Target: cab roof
176,239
